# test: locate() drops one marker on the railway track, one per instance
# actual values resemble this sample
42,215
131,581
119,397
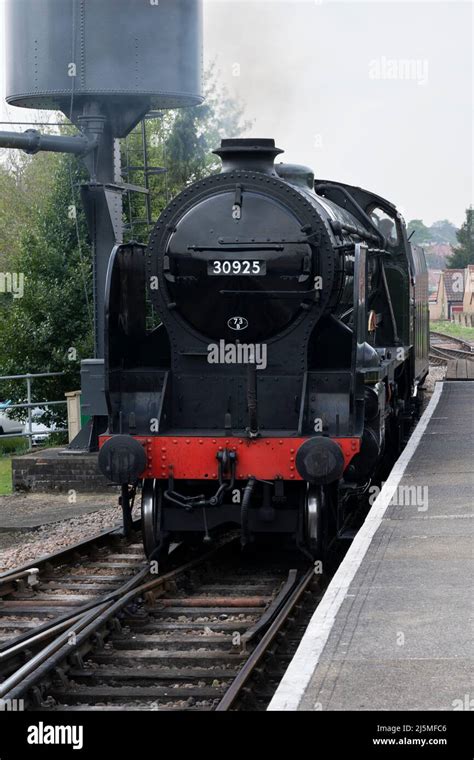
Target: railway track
91,627
39,599
437,361
213,634
442,351
439,337
444,355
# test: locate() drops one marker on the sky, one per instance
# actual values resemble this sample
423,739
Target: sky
376,94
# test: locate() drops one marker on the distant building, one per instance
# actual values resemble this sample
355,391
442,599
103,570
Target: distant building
468,300
437,255
433,280
449,295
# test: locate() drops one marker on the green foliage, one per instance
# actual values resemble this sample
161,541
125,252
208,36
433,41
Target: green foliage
20,178
421,234
39,239
13,445
444,231
454,329
439,232
181,141
5,475
464,251
54,313
56,439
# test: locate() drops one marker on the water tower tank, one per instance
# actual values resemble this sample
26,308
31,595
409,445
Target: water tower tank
124,56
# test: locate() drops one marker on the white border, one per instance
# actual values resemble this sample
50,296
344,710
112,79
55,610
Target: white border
300,670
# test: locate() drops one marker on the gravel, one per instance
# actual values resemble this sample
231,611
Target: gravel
26,547
435,374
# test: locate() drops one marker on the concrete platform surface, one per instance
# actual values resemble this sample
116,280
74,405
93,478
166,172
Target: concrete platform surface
26,511
394,629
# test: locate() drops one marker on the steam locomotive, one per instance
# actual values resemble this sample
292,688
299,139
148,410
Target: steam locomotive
285,362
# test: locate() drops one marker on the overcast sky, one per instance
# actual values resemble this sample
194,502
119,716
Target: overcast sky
377,94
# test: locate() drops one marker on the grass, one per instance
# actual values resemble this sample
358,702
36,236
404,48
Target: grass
450,328
9,446
13,445
5,475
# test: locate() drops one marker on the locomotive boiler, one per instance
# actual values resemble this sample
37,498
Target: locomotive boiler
263,354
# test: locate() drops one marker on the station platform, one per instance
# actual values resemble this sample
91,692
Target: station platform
394,628
460,369
27,511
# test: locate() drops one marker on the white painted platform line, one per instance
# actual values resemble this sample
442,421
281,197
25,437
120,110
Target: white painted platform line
298,675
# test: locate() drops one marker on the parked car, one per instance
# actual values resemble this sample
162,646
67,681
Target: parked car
40,431
7,424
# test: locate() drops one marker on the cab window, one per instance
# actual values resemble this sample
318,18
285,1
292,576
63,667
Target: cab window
385,224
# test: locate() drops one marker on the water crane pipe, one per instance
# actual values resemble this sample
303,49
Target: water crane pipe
33,141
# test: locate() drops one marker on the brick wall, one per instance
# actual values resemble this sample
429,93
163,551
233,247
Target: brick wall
49,470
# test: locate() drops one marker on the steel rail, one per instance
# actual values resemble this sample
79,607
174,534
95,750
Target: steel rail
451,353
65,554
47,659
438,361
231,695
13,647
28,639
452,339
30,573
31,671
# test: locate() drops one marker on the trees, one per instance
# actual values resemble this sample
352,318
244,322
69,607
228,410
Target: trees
195,132
182,142
421,233
464,251
21,178
53,314
442,231
49,328
445,232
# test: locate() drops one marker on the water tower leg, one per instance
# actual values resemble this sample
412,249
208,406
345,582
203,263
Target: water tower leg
102,201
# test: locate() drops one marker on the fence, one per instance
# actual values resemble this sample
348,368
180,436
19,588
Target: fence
30,405
465,319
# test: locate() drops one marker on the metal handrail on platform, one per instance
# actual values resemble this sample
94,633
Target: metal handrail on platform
29,377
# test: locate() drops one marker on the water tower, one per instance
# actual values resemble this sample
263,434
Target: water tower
105,64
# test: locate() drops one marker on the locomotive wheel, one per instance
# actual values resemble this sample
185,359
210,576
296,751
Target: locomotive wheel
315,519
151,509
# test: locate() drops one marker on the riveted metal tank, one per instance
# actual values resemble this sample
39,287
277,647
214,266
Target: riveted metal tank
122,57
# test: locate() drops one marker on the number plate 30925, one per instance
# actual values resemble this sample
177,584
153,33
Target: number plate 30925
222,267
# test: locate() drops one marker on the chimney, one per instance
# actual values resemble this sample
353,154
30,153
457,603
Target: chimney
248,154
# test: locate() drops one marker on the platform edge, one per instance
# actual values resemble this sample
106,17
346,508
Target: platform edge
294,683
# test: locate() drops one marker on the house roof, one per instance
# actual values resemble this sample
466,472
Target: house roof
454,293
